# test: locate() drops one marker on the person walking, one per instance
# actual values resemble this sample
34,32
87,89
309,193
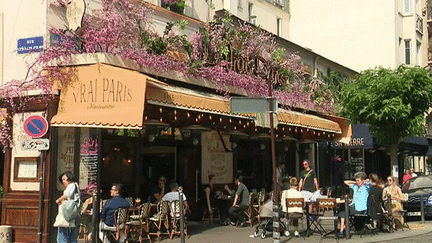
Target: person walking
71,192
308,185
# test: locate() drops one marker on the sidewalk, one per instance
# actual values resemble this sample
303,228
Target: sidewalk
203,232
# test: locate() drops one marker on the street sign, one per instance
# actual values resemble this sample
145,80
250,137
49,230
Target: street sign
251,105
36,144
36,126
28,45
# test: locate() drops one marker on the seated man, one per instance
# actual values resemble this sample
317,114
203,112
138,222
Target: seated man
107,214
293,213
361,188
241,201
174,195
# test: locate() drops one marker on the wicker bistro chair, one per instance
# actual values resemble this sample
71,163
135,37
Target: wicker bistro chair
120,219
139,224
294,202
175,219
249,211
160,220
260,199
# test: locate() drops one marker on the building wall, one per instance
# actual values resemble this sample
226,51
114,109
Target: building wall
21,19
359,34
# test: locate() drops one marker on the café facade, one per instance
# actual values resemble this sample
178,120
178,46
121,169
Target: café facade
116,122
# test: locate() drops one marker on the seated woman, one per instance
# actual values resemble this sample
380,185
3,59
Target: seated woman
294,213
395,193
375,203
361,188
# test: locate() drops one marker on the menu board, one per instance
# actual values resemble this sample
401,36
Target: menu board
89,150
215,160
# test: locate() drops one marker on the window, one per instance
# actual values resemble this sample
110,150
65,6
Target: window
278,26
251,16
407,52
407,6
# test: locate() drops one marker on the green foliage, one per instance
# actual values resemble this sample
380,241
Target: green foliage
334,81
159,45
392,102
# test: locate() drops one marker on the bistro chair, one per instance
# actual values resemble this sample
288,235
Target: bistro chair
210,217
403,212
294,203
325,212
139,224
161,220
249,211
120,218
260,199
175,219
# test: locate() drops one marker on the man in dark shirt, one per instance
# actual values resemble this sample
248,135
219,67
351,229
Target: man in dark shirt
158,192
241,202
108,210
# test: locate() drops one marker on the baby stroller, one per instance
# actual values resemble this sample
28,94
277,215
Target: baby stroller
266,223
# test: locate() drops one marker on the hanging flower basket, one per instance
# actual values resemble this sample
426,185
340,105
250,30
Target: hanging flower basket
174,5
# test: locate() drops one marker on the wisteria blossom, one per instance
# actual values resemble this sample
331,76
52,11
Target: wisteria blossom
124,28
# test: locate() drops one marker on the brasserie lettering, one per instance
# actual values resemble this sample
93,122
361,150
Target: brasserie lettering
111,91
257,66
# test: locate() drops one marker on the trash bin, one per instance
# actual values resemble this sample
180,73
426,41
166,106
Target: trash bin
5,234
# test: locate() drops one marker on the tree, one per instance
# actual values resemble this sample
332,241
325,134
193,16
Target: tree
393,103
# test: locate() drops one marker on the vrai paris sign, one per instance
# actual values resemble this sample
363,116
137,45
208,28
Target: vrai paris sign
354,142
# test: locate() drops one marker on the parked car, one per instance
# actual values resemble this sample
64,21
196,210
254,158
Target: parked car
416,188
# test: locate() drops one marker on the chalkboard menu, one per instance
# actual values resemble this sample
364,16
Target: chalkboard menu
89,150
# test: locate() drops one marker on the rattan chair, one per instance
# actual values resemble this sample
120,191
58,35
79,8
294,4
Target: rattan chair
175,219
121,216
138,226
160,220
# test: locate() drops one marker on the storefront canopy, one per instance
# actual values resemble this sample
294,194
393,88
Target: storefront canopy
100,95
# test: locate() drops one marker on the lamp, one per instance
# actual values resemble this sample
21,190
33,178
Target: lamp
195,128
152,128
238,134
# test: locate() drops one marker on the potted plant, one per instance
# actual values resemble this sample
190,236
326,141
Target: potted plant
176,6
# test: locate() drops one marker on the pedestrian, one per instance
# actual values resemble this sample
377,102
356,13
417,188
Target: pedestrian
71,192
308,185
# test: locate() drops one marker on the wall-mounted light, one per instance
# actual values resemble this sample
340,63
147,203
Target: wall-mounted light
234,145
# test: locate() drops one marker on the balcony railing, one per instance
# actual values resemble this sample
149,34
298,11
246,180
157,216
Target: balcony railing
282,4
419,24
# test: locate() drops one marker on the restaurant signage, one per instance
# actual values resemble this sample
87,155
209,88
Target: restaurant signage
104,96
353,142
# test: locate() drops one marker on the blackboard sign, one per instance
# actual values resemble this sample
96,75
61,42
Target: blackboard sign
89,156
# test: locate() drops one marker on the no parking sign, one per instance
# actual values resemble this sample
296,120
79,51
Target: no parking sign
36,126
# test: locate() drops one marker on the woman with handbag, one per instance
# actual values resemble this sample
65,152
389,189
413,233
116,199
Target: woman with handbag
69,209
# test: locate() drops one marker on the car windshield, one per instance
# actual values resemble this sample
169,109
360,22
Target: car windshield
418,183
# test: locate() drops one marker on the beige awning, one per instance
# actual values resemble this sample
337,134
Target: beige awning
101,95
299,119
163,94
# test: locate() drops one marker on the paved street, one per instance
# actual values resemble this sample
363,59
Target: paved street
205,233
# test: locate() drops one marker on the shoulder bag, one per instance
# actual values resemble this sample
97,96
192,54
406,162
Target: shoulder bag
69,210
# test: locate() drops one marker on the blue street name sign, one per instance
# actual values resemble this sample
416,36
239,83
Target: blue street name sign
32,44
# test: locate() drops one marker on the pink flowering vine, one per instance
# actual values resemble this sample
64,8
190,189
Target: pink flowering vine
124,28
